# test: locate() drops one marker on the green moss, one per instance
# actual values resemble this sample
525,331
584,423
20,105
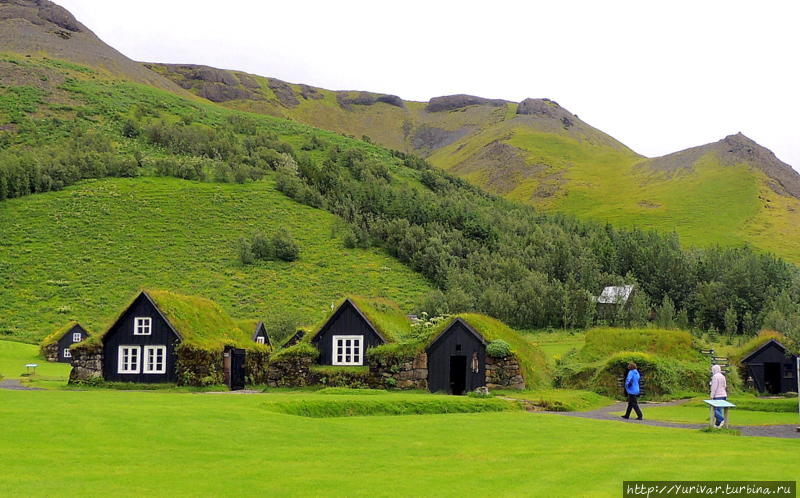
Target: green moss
299,350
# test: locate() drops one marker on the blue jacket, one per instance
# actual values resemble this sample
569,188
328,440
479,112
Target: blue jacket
632,382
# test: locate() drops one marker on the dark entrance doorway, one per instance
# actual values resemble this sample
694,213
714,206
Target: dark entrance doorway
458,374
772,377
233,367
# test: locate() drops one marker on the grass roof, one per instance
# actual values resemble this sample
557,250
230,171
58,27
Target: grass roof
200,322
54,337
385,315
602,342
763,337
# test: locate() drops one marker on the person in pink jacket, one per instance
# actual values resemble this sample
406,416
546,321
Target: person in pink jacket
718,391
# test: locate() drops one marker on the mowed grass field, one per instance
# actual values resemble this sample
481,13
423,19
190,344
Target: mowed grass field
15,355
115,443
82,253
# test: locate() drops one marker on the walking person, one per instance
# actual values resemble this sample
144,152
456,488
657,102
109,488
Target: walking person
718,391
632,390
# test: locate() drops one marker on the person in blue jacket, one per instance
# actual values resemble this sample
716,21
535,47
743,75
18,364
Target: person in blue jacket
632,389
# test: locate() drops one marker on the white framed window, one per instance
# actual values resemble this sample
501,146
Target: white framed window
128,360
76,337
155,360
142,325
260,340
67,353
348,350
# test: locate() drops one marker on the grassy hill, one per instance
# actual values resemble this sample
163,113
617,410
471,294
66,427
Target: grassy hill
539,153
82,253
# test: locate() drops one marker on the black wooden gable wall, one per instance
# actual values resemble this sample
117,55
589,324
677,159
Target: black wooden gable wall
771,369
261,331
455,348
347,320
67,340
121,334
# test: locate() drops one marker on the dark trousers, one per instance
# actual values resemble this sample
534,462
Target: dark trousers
633,404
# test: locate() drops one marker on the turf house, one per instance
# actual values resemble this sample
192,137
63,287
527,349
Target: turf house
56,346
166,337
457,359
372,343
260,336
345,337
771,369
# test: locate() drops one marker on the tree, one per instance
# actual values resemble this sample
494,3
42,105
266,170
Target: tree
665,314
731,321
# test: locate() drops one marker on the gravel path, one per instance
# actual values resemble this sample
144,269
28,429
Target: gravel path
605,413
16,385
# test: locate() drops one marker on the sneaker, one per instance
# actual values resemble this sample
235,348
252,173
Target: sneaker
639,418
623,416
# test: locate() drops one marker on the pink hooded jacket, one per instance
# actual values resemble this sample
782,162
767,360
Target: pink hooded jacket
718,383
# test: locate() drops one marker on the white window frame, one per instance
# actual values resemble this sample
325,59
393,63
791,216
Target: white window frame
126,369
142,325
76,337
338,342
260,339
67,353
148,351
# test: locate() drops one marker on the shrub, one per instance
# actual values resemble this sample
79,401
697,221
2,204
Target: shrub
498,349
245,251
284,246
262,247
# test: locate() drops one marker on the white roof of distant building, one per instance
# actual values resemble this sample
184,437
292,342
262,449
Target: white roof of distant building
615,294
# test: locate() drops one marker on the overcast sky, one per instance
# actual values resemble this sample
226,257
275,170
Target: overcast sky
659,76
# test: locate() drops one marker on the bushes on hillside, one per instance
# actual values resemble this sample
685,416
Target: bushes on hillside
281,245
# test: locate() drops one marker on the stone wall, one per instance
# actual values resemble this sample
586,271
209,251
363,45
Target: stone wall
401,373
87,364
504,373
291,372
198,367
257,367
50,351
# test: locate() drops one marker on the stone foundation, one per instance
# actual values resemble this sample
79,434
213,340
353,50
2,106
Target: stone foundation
401,374
290,372
504,373
87,364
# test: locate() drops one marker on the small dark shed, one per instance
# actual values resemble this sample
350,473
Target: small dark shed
346,336
297,337
140,345
75,334
457,359
260,336
772,370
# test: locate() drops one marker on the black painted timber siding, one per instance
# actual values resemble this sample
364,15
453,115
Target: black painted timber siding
347,320
66,341
121,334
772,352
261,331
456,340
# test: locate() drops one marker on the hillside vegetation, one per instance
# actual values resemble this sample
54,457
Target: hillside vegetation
69,123
539,153
82,254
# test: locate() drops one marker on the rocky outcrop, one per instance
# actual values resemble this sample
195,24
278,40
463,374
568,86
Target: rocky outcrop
87,363
546,108
504,373
348,99
310,93
452,102
283,91
429,138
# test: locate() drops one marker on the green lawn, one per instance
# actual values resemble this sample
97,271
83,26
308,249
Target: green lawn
15,355
700,415
82,253
566,400
137,444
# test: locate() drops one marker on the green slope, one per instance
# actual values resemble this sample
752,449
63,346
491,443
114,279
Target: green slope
540,159
80,254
